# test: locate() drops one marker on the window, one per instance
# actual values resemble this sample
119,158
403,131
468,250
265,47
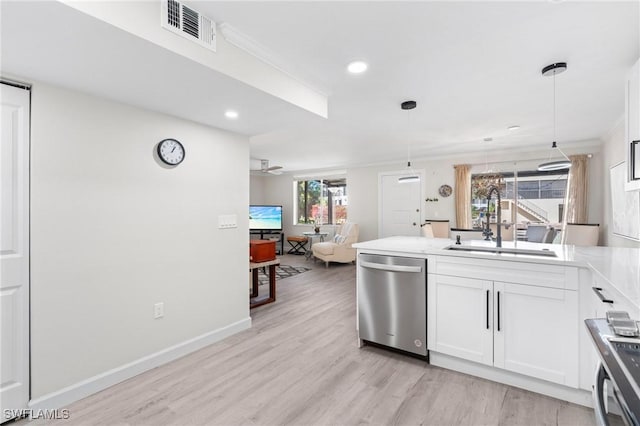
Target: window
321,201
538,198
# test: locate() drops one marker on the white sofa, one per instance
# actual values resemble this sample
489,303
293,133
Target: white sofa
339,249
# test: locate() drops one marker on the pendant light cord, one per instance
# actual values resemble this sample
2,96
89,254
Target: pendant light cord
408,138
554,121
554,107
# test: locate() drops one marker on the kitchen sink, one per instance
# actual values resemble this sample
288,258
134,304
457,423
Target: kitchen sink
509,250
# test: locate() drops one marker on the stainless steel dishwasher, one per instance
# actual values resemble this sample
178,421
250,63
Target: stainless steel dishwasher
392,301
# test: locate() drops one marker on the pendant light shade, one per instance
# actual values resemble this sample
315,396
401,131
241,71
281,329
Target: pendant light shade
555,165
409,178
563,163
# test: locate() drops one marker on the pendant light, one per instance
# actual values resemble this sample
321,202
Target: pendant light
408,106
565,163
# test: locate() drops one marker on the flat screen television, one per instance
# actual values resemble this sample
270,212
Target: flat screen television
265,218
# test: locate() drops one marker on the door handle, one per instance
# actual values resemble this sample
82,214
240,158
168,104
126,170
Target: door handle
498,311
487,309
598,291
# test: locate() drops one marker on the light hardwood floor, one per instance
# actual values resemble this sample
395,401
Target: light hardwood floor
300,365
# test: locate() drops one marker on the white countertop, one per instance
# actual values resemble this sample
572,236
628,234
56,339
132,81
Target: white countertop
619,266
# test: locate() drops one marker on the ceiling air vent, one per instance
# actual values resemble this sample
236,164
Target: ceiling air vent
189,23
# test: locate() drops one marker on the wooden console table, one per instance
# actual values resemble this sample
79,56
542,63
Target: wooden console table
254,300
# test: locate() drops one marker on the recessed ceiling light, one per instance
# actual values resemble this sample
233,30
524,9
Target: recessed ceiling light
357,67
516,127
231,114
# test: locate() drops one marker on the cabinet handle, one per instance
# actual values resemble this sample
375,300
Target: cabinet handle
498,311
597,290
487,309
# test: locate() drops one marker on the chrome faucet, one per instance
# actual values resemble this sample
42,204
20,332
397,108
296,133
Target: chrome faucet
487,232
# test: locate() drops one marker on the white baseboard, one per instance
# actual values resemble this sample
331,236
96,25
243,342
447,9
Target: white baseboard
576,396
77,391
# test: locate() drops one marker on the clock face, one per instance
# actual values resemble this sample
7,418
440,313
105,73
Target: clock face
171,151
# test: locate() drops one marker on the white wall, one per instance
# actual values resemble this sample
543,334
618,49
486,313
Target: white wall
114,231
141,19
362,185
613,153
257,190
278,190
363,194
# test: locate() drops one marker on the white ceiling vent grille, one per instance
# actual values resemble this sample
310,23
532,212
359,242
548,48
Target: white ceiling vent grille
189,23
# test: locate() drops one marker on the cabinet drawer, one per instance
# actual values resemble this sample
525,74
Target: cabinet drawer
537,274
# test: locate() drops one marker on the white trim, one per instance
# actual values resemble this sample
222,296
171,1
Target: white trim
256,49
576,396
77,391
321,174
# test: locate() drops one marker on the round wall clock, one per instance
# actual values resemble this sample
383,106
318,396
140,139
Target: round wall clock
445,190
171,151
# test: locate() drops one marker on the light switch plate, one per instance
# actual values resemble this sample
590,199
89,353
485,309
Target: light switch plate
227,221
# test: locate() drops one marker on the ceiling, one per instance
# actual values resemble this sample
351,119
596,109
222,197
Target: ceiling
473,68
51,42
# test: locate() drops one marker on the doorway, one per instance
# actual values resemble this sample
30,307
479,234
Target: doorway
400,204
14,250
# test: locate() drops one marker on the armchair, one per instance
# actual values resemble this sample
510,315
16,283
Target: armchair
339,249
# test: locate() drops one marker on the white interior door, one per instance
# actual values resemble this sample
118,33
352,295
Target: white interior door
14,249
400,205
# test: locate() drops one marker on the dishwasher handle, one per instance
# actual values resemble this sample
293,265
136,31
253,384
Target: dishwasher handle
391,268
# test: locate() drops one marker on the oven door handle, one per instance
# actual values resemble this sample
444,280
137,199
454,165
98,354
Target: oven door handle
599,396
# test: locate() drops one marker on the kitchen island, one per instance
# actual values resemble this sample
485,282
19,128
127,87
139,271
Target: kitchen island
518,318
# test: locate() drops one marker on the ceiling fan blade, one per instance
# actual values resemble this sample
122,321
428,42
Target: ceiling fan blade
264,168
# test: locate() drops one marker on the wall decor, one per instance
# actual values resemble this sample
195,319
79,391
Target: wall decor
431,200
625,205
445,190
171,152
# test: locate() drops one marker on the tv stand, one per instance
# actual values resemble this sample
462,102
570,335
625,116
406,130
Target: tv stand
268,233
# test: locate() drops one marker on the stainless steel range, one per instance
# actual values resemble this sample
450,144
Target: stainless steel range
618,346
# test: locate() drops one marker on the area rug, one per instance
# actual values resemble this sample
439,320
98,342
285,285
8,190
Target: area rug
282,271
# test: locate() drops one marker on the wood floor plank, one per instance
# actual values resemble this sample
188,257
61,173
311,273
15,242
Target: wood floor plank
300,364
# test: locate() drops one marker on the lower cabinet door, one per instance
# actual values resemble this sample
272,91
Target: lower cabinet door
536,332
460,320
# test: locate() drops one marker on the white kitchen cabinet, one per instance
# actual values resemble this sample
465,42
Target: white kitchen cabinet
536,332
520,327
632,126
460,316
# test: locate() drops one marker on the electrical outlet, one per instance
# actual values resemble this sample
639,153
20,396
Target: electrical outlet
158,310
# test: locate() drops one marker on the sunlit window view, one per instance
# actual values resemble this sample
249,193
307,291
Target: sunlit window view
321,201
536,201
